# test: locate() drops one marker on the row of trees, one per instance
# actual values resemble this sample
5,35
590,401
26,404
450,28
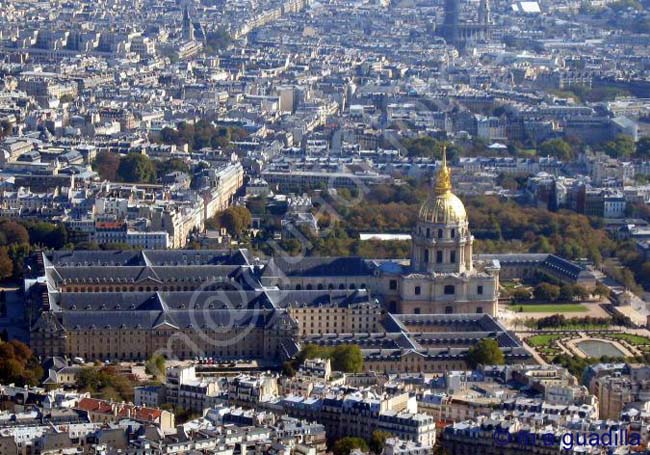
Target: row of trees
135,167
344,357
106,383
558,321
17,239
375,444
201,134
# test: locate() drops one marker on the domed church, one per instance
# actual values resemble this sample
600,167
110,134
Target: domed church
442,277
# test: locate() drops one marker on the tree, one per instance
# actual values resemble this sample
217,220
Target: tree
546,291
155,367
602,290
6,265
557,148
485,352
643,148
567,293
171,165
521,294
346,445
621,147
378,440
137,168
105,382
51,235
18,365
217,40
235,219
106,165
13,233
347,358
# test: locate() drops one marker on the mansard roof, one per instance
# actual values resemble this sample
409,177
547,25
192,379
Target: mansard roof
348,266
84,258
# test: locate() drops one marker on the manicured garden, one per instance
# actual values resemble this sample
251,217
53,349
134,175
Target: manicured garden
634,340
542,340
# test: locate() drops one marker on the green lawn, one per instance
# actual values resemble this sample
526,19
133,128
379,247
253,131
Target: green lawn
634,340
548,308
542,340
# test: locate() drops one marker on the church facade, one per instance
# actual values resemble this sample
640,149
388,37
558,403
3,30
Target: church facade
442,277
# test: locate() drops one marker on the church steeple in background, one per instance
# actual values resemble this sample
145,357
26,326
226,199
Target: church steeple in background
188,27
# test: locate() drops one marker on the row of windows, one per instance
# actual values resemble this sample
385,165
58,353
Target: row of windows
440,257
450,289
448,310
330,286
452,233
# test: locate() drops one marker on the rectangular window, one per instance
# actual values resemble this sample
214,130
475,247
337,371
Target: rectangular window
393,284
439,257
479,290
417,290
452,257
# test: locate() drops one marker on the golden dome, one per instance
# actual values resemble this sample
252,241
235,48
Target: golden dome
443,207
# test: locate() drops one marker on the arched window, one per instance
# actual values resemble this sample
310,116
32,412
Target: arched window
330,286
418,290
353,286
479,310
298,287
309,287
417,310
320,287
341,286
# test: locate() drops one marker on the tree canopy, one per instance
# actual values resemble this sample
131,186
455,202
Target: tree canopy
557,148
346,445
235,219
201,134
347,358
485,352
137,168
18,364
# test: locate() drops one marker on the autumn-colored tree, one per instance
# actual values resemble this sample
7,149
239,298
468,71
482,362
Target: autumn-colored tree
106,165
6,265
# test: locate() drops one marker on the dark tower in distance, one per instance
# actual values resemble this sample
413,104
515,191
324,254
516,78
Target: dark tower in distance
451,21
460,33
484,14
188,27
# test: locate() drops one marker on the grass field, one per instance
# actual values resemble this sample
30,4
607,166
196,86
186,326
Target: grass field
548,308
542,340
634,340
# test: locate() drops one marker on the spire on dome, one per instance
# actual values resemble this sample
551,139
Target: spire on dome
443,179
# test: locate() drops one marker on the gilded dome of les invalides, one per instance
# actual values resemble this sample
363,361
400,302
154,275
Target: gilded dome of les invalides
443,206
